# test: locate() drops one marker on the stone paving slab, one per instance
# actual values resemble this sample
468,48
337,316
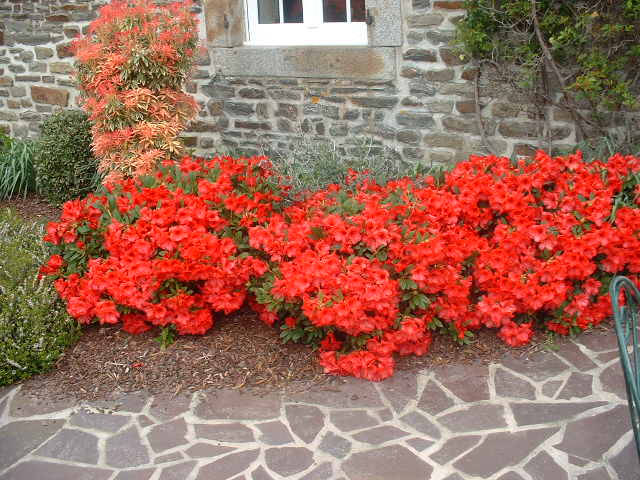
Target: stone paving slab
560,416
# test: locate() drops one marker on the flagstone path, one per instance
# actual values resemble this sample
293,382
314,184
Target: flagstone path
560,415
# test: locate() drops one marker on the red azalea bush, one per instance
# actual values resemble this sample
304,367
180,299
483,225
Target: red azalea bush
132,65
162,250
363,271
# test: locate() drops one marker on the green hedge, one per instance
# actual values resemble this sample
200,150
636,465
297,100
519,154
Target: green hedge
65,166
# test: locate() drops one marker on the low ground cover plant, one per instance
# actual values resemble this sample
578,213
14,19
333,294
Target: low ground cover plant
363,271
34,325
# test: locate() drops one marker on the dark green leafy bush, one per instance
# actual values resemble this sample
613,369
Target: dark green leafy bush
596,42
65,166
34,325
17,173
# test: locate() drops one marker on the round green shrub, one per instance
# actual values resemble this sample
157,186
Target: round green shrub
65,166
35,328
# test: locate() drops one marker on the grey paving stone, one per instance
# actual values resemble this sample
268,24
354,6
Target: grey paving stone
612,381
21,437
274,433
591,437
349,420
434,400
324,471
420,444
169,457
544,467
287,461
98,421
511,476
581,462
144,421
228,466
37,469
454,447
335,445
475,417
227,432
625,463
454,476
381,434
599,473
384,414
142,474
467,382
509,386
421,423
537,413
392,462
579,385
344,393
606,357
3,405
305,421
550,388
399,389
25,405
177,472
133,402
538,367
483,462
206,450
234,405
572,353
599,341
260,474
165,406
168,435
126,450
71,445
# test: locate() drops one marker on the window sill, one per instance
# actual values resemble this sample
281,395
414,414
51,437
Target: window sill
352,62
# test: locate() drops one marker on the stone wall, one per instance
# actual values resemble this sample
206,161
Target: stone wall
425,112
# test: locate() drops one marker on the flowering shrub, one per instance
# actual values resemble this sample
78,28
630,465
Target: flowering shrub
131,68
363,272
163,250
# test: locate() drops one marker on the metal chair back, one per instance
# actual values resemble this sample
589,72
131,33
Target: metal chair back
626,321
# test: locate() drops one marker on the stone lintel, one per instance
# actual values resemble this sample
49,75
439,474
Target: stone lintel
372,63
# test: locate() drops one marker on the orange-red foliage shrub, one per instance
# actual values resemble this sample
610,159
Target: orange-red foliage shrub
132,64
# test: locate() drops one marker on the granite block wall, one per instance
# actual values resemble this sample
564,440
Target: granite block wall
425,111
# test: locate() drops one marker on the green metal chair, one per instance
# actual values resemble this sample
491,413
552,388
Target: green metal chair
626,319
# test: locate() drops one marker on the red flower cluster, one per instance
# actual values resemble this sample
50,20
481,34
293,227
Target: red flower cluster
362,271
498,245
163,250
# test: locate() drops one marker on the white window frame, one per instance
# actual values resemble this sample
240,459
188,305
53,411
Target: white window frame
312,32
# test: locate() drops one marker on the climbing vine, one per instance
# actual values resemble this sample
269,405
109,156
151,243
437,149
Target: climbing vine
589,48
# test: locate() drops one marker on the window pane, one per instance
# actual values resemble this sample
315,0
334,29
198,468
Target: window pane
292,11
334,10
268,11
357,10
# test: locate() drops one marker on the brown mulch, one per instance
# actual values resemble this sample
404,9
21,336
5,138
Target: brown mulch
240,352
32,208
